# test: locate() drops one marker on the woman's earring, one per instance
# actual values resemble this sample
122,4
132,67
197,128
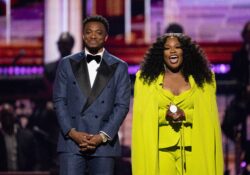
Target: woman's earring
165,68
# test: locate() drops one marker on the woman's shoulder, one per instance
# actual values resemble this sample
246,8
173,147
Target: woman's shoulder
141,80
138,73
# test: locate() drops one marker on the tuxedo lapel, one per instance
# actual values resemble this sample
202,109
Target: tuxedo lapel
104,73
80,71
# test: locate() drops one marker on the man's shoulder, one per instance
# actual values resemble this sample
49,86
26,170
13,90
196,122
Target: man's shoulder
117,59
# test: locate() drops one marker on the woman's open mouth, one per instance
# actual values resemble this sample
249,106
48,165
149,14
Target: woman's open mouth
173,59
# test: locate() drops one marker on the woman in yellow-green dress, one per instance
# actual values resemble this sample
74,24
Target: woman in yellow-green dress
176,129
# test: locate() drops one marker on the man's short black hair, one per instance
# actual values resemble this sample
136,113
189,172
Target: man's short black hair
97,18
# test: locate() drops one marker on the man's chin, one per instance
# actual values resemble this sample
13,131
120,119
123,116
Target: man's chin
93,50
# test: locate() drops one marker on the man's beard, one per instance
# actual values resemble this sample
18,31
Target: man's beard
93,50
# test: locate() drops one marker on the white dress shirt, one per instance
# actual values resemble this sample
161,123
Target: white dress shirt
92,69
93,66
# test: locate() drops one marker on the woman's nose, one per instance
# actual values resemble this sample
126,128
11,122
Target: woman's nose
172,49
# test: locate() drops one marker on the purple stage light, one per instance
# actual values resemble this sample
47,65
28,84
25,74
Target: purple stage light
10,70
221,68
133,69
217,68
5,71
224,68
16,71
34,70
22,70
243,164
40,70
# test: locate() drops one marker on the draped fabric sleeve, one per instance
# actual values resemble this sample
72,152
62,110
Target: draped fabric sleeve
219,162
144,129
206,133
138,149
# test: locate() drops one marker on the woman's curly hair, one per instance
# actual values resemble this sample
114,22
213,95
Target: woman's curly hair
194,61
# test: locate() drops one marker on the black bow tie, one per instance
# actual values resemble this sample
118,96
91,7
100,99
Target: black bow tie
97,58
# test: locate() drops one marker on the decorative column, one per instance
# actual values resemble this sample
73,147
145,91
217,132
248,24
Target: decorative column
128,37
147,22
52,30
75,23
8,21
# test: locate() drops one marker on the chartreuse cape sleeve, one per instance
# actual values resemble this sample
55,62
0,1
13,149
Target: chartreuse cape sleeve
207,154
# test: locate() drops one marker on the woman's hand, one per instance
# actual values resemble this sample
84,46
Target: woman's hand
175,114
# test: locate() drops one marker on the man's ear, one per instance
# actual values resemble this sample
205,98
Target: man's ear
106,38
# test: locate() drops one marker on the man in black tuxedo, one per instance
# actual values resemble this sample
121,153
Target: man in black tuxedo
91,97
